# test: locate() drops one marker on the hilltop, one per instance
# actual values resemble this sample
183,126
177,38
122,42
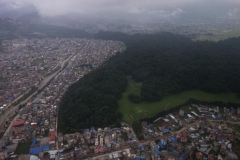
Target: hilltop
163,63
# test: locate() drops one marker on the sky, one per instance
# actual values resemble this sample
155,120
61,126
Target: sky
141,9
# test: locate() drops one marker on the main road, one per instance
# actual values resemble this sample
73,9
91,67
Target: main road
11,109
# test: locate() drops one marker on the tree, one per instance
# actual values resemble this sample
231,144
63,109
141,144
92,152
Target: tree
164,63
135,98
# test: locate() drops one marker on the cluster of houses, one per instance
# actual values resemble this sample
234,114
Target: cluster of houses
25,62
93,142
200,133
36,121
103,143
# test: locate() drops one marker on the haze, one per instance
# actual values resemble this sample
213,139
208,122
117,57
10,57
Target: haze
140,10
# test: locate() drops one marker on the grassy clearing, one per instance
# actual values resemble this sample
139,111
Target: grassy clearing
23,148
134,112
133,87
220,35
235,127
37,62
3,80
3,48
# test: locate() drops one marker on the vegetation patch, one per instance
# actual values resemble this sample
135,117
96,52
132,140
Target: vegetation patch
1,134
37,62
236,147
134,112
217,35
124,136
2,48
3,80
137,127
167,69
25,96
235,127
23,148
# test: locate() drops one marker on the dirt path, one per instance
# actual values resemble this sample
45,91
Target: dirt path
168,104
225,121
131,116
172,101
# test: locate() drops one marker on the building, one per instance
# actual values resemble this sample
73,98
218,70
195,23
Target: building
19,123
238,110
199,155
52,138
181,112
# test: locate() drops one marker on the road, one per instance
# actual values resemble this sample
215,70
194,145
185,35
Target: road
10,111
48,78
226,121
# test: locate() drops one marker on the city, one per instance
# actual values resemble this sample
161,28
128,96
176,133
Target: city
51,66
119,80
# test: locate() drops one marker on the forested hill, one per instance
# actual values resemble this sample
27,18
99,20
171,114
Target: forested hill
164,63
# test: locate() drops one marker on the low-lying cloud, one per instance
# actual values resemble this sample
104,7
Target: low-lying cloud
126,8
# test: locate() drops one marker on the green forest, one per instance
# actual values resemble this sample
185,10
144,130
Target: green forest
163,63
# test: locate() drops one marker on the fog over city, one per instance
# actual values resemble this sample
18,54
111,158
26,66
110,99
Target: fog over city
140,10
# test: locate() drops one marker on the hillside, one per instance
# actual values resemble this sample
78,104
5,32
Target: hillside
22,28
163,63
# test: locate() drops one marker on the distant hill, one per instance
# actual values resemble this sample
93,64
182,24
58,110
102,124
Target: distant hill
165,64
27,27
8,24
30,18
7,12
10,29
56,31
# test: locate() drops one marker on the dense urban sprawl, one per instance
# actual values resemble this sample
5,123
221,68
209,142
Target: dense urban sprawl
37,63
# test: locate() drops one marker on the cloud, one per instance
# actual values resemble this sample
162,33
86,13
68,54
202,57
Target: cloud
162,14
59,7
233,13
177,12
128,8
135,10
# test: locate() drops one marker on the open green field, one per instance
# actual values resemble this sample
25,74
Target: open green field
3,80
134,112
37,62
219,35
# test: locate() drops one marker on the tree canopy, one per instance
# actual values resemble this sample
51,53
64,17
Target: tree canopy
164,63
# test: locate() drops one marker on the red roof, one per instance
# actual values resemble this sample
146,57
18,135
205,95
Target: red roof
212,134
99,148
199,155
52,136
231,138
16,132
19,123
